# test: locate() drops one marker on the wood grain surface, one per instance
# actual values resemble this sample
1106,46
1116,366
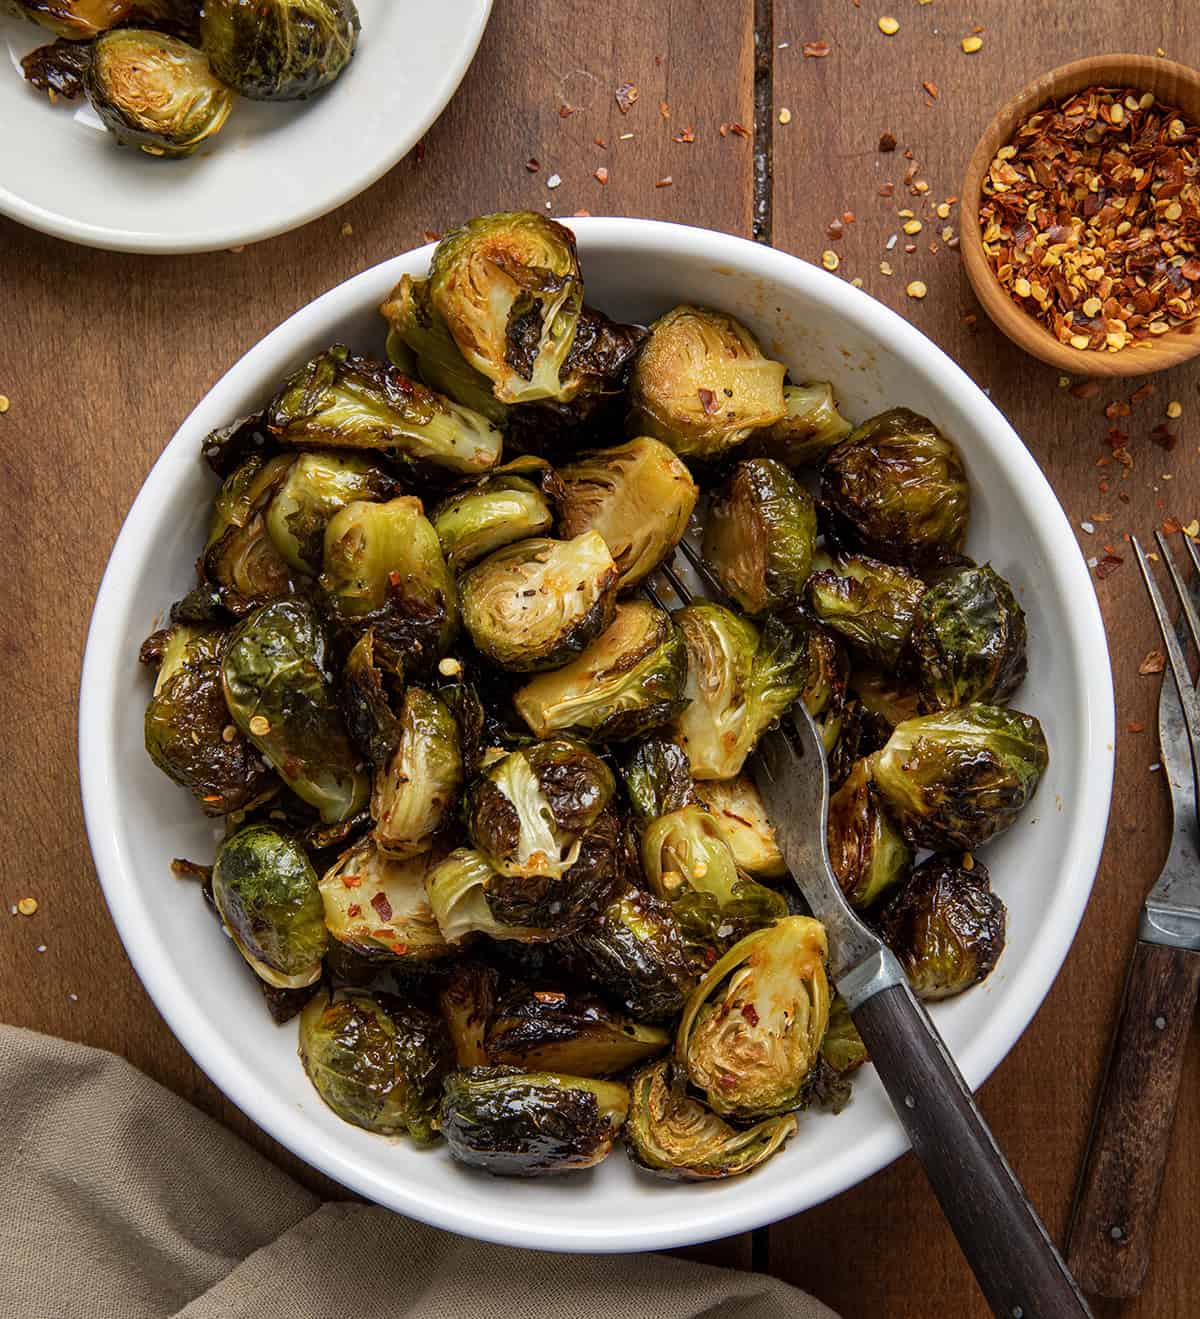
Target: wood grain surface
103,355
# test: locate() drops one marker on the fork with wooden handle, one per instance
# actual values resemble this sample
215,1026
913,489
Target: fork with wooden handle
1117,1198
1014,1260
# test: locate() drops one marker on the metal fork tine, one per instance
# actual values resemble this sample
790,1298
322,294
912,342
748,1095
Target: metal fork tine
681,588
1193,553
649,590
1185,596
1178,660
692,555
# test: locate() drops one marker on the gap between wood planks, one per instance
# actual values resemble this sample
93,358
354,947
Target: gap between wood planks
764,118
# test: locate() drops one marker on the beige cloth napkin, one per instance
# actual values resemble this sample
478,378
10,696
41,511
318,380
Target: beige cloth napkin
120,1201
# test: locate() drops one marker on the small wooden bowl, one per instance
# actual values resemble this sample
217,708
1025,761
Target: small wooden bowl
1173,84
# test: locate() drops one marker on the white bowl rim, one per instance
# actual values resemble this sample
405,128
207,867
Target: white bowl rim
155,964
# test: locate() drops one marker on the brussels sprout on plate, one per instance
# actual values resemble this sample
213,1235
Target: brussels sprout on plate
467,999
416,791
869,603
366,700
868,852
240,558
458,893
279,50
509,505
740,818
813,425
58,68
842,1048
80,20
658,778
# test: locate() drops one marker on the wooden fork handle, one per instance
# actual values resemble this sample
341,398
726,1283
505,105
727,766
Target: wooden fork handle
1117,1198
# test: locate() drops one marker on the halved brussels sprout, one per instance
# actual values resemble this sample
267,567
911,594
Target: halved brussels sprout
378,907
468,1000
812,426
265,890
548,1030
384,569
507,506
867,851
187,729
968,640
870,603
80,20
740,818
527,1124
537,604
280,696
826,670
339,400
957,778
701,384
239,555
509,289
279,50
316,487
885,698
946,926
155,92
628,681
58,68
899,487
843,1048
673,1135
377,1061
658,778
760,535
638,496
750,1035
417,789
365,699
458,892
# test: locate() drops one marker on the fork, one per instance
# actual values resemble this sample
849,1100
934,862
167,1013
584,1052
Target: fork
1006,1244
1117,1198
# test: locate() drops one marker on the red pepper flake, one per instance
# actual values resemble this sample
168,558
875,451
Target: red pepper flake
665,182
688,135
1154,662
354,911
1108,565
430,235
931,88
533,164
887,189
708,401
1135,727
815,50
848,217
724,130
395,577
565,111
382,906
1164,437
1117,408
887,142
1085,389
739,130
627,95
419,153
351,881
750,1013
835,229
600,142
1171,527
549,996
580,215
664,109
601,175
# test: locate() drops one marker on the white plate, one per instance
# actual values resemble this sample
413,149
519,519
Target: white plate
270,169
1043,867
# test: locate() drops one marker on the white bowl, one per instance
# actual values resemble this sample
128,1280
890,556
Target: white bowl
271,168
1044,866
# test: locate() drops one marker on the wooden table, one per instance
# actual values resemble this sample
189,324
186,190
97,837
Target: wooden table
102,355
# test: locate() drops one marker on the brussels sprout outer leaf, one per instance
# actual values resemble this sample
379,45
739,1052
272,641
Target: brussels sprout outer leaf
712,728
870,603
658,778
843,1048
366,703
868,853
468,1001
58,67
740,818
497,511
811,428
457,889
279,50
415,792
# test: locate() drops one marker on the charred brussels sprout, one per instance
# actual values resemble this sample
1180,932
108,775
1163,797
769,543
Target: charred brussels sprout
59,68
468,1001
548,1030
239,555
658,778
417,789
740,818
825,670
672,1134
539,603
187,727
899,486
266,892
760,535
886,700
629,680
867,851
508,506
317,486
701,384
339,400
80,20
968,640
638,496
750,1035
377,1061
365,699
279,695
870,603
155,92
509,290
458,893
843,1048
279,50
812,426
955,779
527,1124
946,926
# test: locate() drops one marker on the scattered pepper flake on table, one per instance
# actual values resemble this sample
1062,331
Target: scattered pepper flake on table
931,88
1136,726
1174,409
971,44
1154,662
626,97
601,175
27,906
916,289
665,182
5,404
533,165
888,25
887,142
830,259
554,181
688,135
815,50
1108,565
785,116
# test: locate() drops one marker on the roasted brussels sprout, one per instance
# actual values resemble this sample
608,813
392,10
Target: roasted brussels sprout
760,535
526,1124
946,926
538,603
378,907
155,92
507,506
316,487
842,1048
279,50
750,1035
885,698
79,20
468,1001
658,778
509,290
968,640
826,671
870,603
377,1061
339,400
638,496
548,1030
957,778
740,818
384,569
701,384
416,791
187,729
898,486
672,1134
812,426
458,893
239,555
366,702
265,891
58,68
279,695
628,681
868,853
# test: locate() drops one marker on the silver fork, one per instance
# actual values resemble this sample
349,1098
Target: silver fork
1014,1260
1117,1198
